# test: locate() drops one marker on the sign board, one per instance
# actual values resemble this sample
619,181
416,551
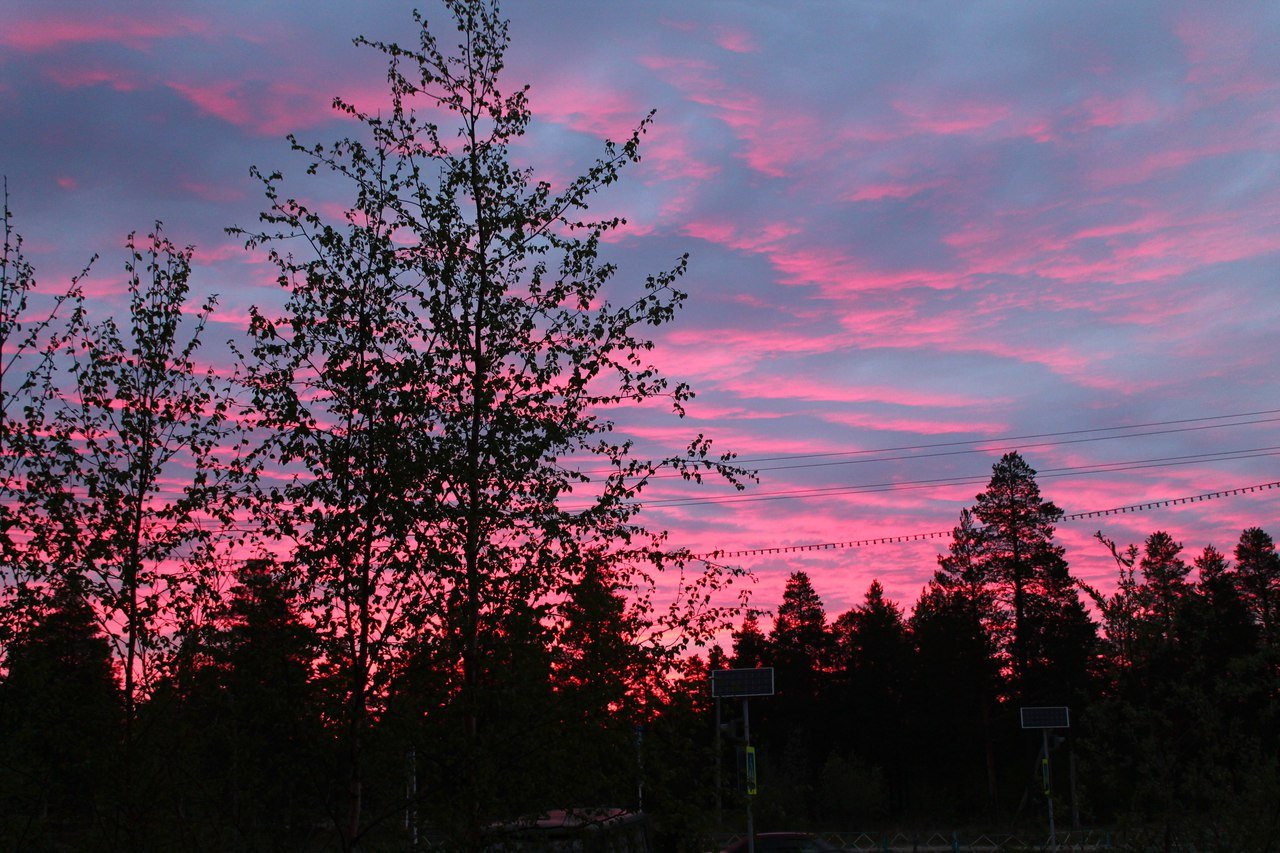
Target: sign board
1046,718
742,682
751,771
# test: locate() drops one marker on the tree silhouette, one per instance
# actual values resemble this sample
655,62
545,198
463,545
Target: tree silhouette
875,655
750,645
60,708
1165,573
800,643
791,722
29,347
137,437
1258,570
1029,574
441,380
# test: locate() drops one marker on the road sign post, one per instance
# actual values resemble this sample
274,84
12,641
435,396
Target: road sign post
1046,718
742,684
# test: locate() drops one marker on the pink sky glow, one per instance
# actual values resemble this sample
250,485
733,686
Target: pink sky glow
918,235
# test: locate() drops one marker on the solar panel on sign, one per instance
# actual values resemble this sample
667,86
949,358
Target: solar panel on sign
1046,718
742,682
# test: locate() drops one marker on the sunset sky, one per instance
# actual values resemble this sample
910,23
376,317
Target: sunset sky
937,230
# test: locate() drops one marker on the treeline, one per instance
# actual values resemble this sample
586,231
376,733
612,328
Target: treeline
888,718
240,744
382,572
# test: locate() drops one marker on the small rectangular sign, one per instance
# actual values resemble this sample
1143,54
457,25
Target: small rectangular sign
1046,718
742,682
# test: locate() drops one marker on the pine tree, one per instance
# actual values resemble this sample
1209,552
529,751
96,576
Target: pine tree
60,711
791,723
800,642
1258,570
750,645
956,681
875,654
1229,630
235,724
1165,573
1049,629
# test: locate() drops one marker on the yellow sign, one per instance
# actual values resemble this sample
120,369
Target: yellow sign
751,771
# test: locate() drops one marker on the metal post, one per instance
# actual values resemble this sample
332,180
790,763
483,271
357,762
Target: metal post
640,768
411,796
1075,805
719,760
746,736
1048,790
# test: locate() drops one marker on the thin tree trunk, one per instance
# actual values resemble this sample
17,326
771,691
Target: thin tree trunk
471,661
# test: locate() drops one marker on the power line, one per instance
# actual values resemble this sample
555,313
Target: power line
988,443
989,446
917,537
1016,437
910,485
1007,448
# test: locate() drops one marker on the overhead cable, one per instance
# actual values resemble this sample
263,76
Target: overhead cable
941,534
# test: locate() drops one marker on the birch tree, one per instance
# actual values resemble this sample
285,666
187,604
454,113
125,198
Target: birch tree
440,386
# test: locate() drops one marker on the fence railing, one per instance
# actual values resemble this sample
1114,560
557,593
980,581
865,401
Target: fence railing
963,842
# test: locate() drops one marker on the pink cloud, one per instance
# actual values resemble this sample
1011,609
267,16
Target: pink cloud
1125,170
833,271
812,389
597,110
735,39
121,80
756,238
1158,243
952,117
1220,50
1132,108
212,192
891,190
41,34
264,108
775,139
920,425
761,342
736,435
836,274
610,112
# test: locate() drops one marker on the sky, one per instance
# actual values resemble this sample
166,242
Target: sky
920,234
